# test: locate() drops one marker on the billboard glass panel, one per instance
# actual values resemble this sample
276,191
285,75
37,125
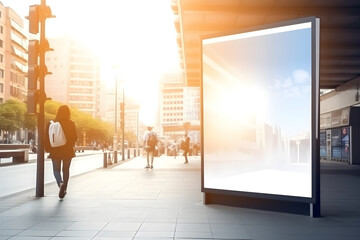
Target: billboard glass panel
258,91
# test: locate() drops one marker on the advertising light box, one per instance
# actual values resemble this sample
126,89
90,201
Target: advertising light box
260,110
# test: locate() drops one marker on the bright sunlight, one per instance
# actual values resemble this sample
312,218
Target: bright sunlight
138,36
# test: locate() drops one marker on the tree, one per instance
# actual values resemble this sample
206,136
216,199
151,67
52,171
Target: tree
12,115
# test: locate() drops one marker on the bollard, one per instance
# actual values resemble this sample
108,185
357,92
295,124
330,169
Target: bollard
134,152
138,151
109,159
115,157
128,153
105,160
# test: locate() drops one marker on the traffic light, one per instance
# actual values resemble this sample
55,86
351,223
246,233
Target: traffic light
37,71
36,50
33,75
34,19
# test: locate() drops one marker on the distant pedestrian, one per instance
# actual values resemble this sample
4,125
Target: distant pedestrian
62,154
186,148
150,142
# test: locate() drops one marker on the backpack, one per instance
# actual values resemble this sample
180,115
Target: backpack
57,137
151,142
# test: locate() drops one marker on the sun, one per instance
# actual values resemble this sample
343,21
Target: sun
137,36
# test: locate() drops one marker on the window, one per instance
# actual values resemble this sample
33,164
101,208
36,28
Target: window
1,73
1,43
1,87
1,29
1,58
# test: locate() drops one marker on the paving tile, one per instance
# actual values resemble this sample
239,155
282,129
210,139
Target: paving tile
157,227
116,234
86,226
122,226
77,233
162,234
38,233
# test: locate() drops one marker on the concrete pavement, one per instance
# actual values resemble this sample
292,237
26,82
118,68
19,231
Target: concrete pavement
130,202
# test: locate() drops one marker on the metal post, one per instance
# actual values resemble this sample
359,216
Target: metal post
115,131
123,126
41,121
128,153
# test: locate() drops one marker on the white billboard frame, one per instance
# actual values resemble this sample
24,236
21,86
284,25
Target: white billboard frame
314,197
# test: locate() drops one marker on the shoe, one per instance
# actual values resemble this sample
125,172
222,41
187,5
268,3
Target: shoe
151,167
147,166
62,191
186,162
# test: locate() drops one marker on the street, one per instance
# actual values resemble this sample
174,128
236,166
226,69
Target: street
20,177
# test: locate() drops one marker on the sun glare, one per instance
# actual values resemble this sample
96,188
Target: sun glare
136,35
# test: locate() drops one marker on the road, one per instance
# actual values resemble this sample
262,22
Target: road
20,177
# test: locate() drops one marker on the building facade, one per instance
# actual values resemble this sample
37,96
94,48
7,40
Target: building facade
75,78
178,106
13,55
132,108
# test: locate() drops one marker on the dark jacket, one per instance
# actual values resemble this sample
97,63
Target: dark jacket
66,151
187,144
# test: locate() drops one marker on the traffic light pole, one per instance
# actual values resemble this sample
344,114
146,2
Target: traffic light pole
41,114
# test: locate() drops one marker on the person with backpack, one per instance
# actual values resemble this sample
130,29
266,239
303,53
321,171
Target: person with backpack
60,138
150,142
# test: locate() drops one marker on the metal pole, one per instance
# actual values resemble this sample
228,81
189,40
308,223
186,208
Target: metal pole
115,131
123,126
41,122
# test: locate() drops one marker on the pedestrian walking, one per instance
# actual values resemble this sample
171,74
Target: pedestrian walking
150,142
65,152
186,148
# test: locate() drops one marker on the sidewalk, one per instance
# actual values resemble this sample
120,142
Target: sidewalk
130,202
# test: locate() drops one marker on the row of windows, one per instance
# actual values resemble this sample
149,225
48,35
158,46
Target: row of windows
17,78
173,90
173,114
173,96
81,75
15,92
82,98
81,90
172,108
83,105
82,67
173,119
81,83
173,102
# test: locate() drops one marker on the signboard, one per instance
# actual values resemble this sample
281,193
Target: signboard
259,110
323,144
345,143
336,143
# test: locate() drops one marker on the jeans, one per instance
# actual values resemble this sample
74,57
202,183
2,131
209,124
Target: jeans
65,170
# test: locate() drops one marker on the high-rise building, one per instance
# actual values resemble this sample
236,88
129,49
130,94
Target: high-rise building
13,55
178,106
75,78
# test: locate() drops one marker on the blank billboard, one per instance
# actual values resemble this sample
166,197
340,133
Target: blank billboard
259,110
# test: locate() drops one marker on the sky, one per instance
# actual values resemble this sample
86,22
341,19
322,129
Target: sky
135,40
